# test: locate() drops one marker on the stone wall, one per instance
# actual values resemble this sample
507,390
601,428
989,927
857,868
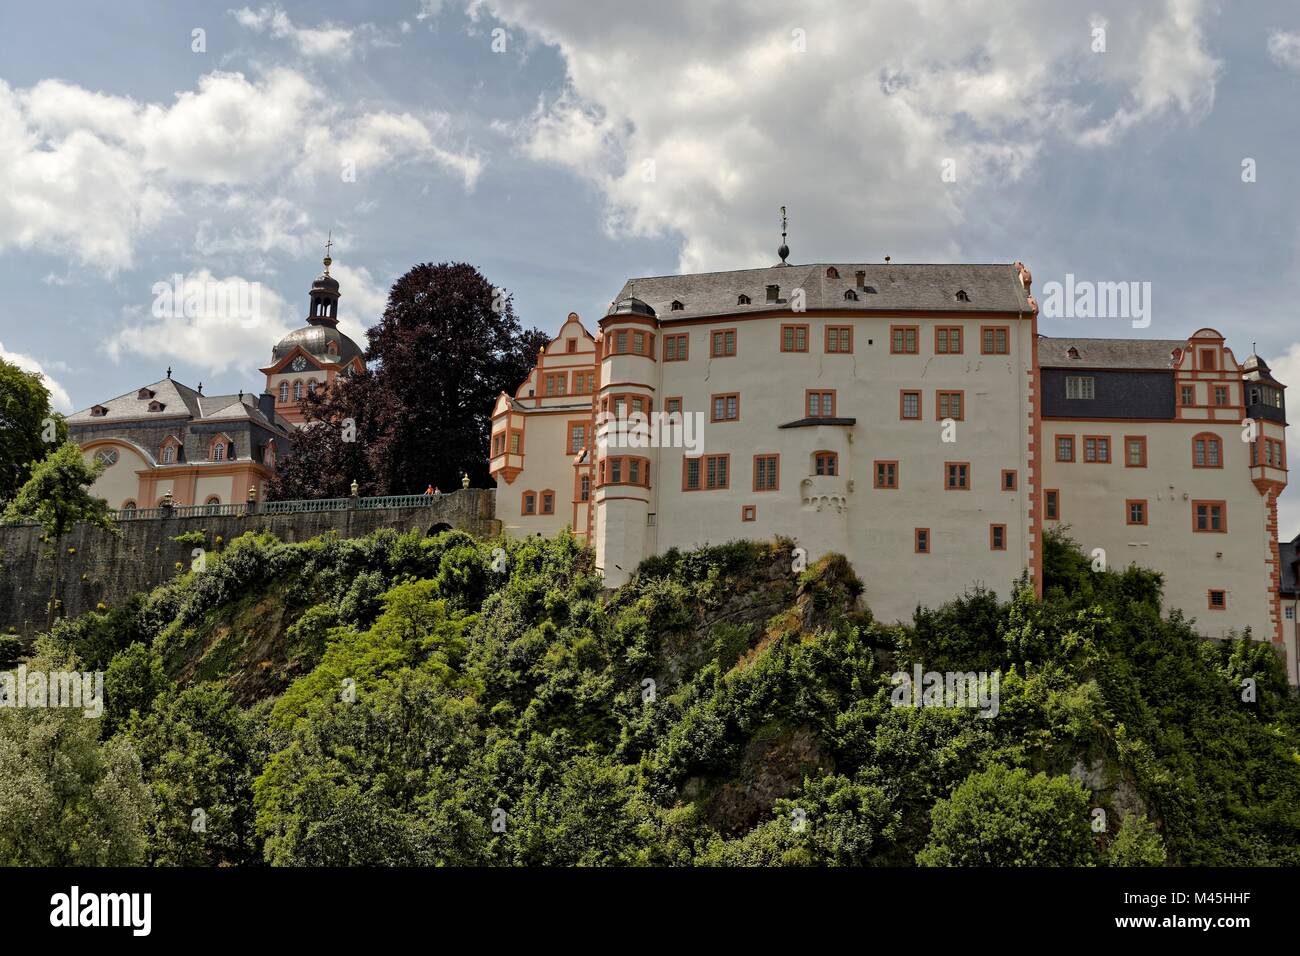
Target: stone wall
104,567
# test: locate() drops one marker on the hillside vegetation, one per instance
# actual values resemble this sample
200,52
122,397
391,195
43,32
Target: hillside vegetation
423,701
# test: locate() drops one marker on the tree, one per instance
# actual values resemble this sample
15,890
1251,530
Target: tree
28,429
57,497
448,344
1005,817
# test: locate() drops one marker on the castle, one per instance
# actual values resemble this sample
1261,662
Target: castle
912,418
169,443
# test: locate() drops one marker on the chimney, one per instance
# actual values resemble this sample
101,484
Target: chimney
266,405
773,293
861,275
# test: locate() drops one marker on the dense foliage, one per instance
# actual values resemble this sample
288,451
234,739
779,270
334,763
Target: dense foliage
436,701
28,427
447,345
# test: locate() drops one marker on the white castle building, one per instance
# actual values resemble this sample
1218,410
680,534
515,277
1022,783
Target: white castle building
912,418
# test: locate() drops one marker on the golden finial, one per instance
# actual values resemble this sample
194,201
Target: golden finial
328,245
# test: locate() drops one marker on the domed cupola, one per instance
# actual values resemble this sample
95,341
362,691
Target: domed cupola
325,295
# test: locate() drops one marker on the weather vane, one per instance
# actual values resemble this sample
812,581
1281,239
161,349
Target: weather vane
329,244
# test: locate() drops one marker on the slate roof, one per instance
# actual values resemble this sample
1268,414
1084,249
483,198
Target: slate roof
1108,353
1289,553
315,338
178,401
899,287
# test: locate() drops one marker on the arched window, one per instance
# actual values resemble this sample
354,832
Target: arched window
311,386
832,272
850,295
212,504
218,451
128,507
826,463
1207,451
297,391
168,454
284,392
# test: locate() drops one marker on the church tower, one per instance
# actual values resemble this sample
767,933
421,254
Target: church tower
311,357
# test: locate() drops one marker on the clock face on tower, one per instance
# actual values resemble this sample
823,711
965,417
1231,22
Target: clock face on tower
299,364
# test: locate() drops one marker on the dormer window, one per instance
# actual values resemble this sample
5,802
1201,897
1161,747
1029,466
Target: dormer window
832,272
156,406
962,296
144,394
850,295
99,411
1072,352
773,293
742,299
677,306
170,454
332,348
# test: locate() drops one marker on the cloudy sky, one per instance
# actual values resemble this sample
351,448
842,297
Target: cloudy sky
563,146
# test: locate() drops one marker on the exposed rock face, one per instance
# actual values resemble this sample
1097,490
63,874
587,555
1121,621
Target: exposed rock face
97,566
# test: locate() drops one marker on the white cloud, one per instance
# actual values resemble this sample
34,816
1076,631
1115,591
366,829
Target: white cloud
59,397
88,174
843,111
214,323
327,40
1284,48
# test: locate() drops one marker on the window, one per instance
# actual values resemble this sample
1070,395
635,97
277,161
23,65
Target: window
529,506
1065,448
903,339
947,340
748,513
839,338
584,383
909,405
584,488
1220,395
620,342
1207,451
742,299
956,475
1135,451
948,405
673,406
832,272
498,443
129,507
1096,449
1210,516
997,537
773,293
548,502
726,408
1290,612
711,472
1080,387
994,339
820,404
169,454
516,442
643,343
570,345
826,464
219,451
1135,511
107,457
1009,479
1051,504
297,391
794,338
677,306
284,392
212,504
1218,599
886,474
1209,360
577,437
555,384
850,295
767,470
961,296
921,540
1187,395
311,386
723,343
675,347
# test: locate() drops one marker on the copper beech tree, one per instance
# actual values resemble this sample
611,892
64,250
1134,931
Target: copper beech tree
447,344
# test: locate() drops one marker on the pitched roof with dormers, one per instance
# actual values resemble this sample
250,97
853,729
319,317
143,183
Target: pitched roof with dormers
893,287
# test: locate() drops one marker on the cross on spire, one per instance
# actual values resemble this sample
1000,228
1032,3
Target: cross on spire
329,244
